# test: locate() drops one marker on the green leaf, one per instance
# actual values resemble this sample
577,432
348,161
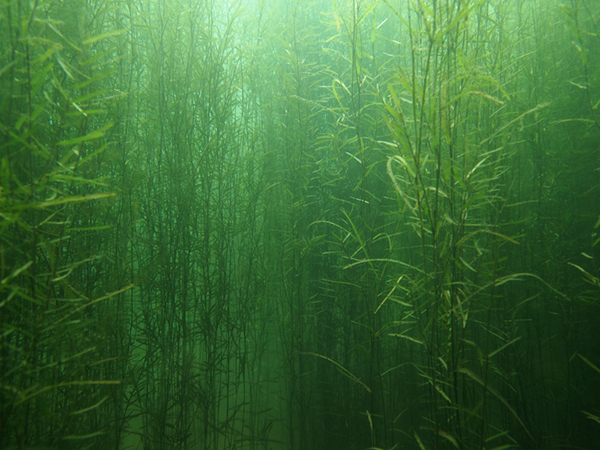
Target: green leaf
103,36
89,408
592,416
496,394
504,346
88,137
84,436
589,363
74,199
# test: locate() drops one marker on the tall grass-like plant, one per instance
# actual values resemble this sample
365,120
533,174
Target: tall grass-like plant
55,371
300,73
306,224
447,112
356,224
198,181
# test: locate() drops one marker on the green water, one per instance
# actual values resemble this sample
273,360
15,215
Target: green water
299,225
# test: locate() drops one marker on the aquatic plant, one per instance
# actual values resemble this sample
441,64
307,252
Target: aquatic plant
263,224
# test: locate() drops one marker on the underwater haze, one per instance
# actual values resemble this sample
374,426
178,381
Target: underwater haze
299,224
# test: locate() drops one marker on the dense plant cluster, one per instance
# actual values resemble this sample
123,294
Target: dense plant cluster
259,224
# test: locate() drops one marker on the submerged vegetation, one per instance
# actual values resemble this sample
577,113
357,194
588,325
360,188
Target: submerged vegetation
261,224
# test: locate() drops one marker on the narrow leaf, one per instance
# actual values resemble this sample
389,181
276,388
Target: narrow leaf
103,36
504,346
496,394
589,363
